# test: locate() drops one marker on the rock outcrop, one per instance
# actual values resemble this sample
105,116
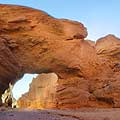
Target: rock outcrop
28,35
31,41
42,92
79,90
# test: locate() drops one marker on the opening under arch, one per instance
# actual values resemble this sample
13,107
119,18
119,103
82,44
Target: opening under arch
22,85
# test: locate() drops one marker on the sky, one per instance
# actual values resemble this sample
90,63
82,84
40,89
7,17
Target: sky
101,17
22,86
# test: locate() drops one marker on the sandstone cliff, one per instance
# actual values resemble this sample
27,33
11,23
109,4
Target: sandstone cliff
78,90
42,92
31,41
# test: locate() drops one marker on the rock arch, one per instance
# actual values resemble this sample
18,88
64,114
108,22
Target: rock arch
31,41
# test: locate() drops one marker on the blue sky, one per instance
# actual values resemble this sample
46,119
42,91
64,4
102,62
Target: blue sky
101,17
22,86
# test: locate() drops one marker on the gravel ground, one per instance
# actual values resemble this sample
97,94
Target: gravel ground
81,114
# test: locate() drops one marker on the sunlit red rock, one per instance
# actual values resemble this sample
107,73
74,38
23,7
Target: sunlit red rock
31,41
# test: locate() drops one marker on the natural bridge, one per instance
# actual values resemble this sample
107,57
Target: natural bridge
31,41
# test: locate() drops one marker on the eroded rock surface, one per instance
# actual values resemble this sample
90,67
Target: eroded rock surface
42,92
31,41
28,35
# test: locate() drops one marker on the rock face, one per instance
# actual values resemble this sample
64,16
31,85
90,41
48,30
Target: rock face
42,92
31,41
28,35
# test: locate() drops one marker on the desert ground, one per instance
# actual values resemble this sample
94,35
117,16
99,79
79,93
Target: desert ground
81,114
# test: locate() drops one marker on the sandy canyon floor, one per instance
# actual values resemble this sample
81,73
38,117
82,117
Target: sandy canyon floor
81,114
